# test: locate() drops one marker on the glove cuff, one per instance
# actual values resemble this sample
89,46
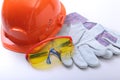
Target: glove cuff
74,18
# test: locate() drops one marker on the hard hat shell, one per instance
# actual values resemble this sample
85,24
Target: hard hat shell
27,22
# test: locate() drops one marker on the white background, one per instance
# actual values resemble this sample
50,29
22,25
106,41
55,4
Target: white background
13,66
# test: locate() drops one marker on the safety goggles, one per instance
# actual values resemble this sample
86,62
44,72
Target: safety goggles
48,53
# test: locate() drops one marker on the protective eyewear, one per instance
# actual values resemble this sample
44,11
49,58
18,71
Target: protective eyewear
48,53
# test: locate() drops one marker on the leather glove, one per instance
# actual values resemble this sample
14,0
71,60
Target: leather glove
91,41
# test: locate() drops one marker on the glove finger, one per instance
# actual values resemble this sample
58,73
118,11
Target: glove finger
78,59
107,54
67,60
115,50
89,55
98,49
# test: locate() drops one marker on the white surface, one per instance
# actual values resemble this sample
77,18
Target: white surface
13,66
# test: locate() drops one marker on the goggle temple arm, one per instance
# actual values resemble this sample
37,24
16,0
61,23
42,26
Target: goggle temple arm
54,52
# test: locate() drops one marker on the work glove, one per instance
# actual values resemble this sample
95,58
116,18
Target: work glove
91,40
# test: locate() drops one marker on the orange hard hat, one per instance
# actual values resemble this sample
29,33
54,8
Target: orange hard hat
27,22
